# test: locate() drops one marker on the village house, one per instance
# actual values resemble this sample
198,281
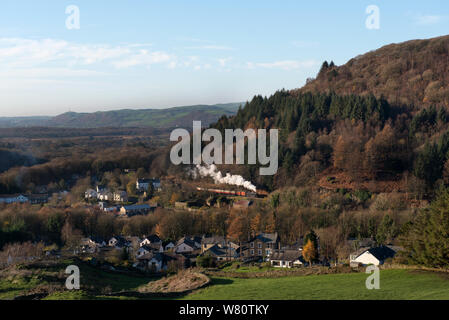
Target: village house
105,196
168,246
222,253
158,262
151,239
186,245
135,209
144,184
375,256
150,248
92,244
262,245
286,258
121,196
209,241
118,242
105,208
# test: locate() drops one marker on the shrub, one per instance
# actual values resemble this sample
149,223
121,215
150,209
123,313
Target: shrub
206,261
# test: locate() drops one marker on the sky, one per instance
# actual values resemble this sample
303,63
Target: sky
155,54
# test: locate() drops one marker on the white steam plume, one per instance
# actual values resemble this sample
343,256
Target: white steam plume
212,171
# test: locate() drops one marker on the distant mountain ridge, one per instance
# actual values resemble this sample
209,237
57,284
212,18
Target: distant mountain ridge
155,118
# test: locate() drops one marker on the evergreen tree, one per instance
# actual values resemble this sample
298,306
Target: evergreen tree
426,239
385,232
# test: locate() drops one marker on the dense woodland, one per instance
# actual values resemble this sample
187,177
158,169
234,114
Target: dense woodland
365,138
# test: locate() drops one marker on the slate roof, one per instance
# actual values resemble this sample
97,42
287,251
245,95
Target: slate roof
221,251
381,253
187,241
266,237
152,238
213,240
134,207
286,255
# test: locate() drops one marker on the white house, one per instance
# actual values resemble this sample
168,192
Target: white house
118,242
286,258
105,196
375,256
152,239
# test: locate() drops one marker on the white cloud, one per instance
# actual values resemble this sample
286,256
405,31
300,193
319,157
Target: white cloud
47,73
284,64
60,54
144,57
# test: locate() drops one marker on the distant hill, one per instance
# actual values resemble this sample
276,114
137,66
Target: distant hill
415,73
12,122
155,118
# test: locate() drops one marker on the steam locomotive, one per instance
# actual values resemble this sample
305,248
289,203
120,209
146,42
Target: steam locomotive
234,193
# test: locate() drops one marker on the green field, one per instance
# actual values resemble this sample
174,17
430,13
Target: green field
394,284
96,284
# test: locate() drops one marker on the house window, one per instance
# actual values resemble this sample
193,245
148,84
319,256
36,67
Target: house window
260,246
252,252
260,252
267,252
252,244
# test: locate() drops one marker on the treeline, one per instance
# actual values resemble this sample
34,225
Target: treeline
53,132
307,112
66,170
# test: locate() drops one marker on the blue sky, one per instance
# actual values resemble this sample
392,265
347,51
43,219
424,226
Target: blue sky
153,54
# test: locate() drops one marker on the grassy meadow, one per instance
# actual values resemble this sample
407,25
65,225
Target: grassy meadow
394,285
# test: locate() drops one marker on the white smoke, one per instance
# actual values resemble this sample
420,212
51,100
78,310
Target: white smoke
212,171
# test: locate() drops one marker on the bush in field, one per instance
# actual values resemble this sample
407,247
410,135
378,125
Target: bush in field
206,261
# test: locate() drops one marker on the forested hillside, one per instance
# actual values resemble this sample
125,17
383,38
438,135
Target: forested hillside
415,73
389,134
